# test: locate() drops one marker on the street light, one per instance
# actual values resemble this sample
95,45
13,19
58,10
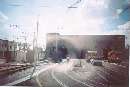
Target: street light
35,47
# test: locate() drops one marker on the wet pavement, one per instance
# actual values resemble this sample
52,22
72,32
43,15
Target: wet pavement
67,75
108,75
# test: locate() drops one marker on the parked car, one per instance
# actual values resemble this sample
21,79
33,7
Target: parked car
91,55
96,62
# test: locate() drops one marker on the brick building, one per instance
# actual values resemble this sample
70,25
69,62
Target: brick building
7,50
76,43
3,48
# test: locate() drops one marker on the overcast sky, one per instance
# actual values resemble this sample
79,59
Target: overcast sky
19,17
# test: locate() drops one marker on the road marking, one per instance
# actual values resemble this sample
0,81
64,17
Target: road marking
109,68
103,71
93,81
38,82
102,76
117,64
18,81
54,77
30,76
43,70
78,80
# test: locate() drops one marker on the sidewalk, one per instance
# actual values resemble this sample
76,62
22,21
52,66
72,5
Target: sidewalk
29,79
28,82
10,73
7,68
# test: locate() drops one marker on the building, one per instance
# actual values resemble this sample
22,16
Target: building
20,56
22,52
3,48
11,52
33,56
76,44
8,50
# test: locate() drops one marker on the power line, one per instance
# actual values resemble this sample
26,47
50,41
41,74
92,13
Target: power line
73,5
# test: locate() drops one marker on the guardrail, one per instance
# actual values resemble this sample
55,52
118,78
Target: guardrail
6,69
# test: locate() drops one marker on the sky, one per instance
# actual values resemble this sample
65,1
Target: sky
19,18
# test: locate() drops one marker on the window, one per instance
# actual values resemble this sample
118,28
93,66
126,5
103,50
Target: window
2,45
10,47
5,45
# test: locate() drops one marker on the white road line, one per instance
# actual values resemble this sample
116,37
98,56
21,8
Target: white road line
117,65
42,70
38,82
102,76
54,77
28,77
116,71
18,81
78,80
109,68
104,71
45,69
93,81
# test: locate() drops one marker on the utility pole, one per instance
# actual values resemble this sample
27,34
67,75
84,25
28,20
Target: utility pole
35,42
37,57
35,48
56,44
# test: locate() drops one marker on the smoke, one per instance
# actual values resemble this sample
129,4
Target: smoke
80,41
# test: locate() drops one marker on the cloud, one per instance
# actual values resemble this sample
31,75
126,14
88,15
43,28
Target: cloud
3,17
122,30
126,28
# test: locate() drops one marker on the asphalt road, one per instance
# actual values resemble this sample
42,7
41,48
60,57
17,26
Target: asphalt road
64,75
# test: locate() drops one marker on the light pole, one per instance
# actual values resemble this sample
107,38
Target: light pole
35,42
56,44
35,47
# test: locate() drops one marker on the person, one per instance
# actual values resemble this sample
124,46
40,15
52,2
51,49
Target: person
68,58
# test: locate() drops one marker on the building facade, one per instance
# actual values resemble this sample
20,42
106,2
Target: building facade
3,48
8,50
76,44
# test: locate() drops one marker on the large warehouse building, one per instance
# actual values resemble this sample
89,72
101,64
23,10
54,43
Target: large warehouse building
59,46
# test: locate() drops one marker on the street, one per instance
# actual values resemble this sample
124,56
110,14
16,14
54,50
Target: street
64,43
65,75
